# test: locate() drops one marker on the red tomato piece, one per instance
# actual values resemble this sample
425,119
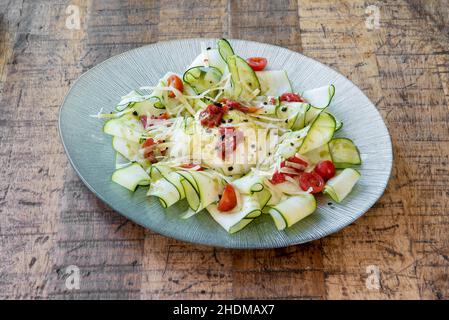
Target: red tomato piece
291,97
257,63
325,169
228,199
299,161
212,115
278,177
175,82
311,180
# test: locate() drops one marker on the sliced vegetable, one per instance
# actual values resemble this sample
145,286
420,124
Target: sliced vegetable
150,107
312,113
344,152
244,80
225,49
293,209
203,78
294,114
320,97
128,149
274,82
231,221
127,127
166,185
341,185
339,125
318,154
248,184
131,176
267,105
320,132
167,190
200,188
121,161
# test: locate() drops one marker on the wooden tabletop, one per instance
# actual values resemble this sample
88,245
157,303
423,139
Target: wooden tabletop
49,220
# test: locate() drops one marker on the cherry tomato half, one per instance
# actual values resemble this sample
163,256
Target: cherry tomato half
325,169
228,199
175,82
257,63
311,180
291,97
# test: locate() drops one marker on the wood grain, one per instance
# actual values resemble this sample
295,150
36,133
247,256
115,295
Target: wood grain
49,220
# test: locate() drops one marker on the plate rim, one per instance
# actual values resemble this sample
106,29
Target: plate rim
243,246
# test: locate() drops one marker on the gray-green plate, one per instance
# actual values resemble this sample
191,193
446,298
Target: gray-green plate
91,154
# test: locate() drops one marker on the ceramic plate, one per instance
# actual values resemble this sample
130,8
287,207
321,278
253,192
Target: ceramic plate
91,154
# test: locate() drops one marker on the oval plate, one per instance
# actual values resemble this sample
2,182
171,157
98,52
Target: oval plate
91,154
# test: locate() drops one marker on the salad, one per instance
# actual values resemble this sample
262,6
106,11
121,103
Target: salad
232,137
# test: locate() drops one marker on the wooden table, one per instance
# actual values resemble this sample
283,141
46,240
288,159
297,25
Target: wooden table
49,220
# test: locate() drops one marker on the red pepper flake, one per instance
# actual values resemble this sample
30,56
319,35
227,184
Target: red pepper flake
149,150
212,115
238,106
